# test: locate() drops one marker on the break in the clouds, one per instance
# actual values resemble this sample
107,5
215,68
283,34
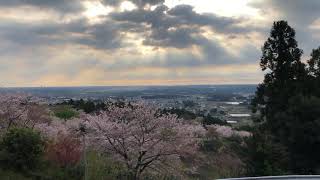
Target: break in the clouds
143,42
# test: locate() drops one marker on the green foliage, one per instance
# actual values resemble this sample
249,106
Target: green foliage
222,157
181,113
87,106
21,149
64,112
245,127
11,175
265,155
101,167
21,157
212,142
189,103
209,120
302,139
50,171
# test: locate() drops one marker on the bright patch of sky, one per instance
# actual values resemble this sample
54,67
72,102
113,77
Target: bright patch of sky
228,8
95,9
127,6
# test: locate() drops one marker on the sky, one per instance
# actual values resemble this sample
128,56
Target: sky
144,42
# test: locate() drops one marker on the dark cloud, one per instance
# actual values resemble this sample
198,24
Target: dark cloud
179,15
101,36
178,27
187,15
298,12
156,18
175,37
63,6
139,3
28,35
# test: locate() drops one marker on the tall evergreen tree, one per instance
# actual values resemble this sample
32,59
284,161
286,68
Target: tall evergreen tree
283,99
281,62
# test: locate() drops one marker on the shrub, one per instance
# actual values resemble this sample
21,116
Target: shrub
212,142
102,166
246,127
65,112
65,151
209,120
10,175
21,149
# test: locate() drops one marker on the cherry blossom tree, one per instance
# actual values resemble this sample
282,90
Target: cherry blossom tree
142,138
36,113
12,108
21,110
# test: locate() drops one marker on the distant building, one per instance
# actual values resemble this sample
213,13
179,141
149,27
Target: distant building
233,103
239,115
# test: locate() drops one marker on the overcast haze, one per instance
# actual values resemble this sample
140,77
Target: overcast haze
143,42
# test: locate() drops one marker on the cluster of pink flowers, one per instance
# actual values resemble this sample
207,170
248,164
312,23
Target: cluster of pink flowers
57,127
227,131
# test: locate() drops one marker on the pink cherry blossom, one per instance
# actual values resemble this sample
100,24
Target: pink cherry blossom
227,131
21,110
142,138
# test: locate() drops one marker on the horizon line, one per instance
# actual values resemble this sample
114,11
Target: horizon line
168,85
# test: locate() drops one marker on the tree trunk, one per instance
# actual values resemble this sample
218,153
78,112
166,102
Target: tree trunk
136,175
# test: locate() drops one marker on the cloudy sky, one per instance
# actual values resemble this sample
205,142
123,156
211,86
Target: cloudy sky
143,42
